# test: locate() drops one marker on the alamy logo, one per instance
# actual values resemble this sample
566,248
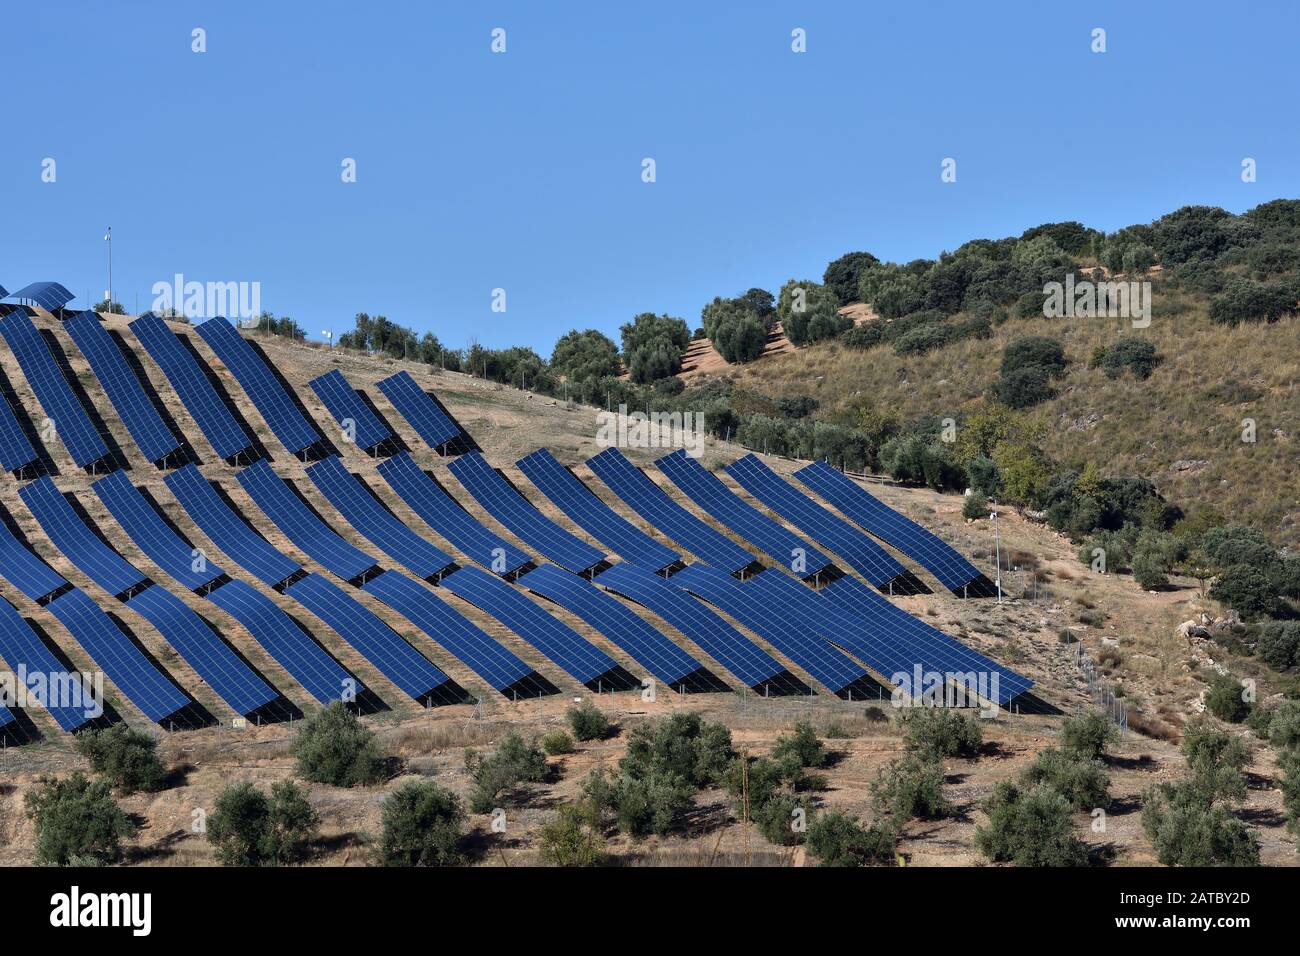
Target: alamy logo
207,300
922,688
653,430
1103,300
74,909
63,689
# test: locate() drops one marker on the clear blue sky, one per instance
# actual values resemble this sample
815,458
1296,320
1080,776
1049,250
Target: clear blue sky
523,170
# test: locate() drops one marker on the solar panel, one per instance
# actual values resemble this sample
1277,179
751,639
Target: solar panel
212,659
660,656
775,624
427,499
863,508
50,296
383,647
15,450
135,675
294,431
514,511
576,500
305,660
121,386
48,681
20,566
502,670
420,411
45,377
737,653
653,505
227,529
861,553
708,491
76,540
300,524
349,410
923,646
226,436
379,525
152,534
580,659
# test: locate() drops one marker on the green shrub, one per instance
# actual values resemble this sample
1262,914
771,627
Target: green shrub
1278,645
1226,700
422,826
777,818
975,506
937,732
1289,763
654,803
911,787
1081,780
836,839
1260,721
865,336
1133,353
803,746
334,747
683,746
1029,828
77,822
1242,588
1187,831
587,721
573,838
515,761
875,714
1216,759
557,742
1023,387
1090,734
248,829
126,758
1034,351
1284,727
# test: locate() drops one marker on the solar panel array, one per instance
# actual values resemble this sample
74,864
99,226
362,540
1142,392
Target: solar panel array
708,491
420,411
865,509
514,511
653,505
43,374
121,386
49,681
15,450
226,436
660,656
861,553
263,388
607,526
440,511
79,544
348,409
50,296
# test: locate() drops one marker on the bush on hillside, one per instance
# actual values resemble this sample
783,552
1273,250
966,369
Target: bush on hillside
334,747
1029,828
587,721
248,829
422,825
126,758
77,822
515,761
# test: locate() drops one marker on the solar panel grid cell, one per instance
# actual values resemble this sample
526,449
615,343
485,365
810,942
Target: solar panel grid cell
420,411
21,647
342,401
653,505
23,569
15,450
76,540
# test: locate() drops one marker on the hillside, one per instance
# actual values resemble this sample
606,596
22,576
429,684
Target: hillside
1051,595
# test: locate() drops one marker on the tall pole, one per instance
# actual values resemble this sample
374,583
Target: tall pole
997,550
108,237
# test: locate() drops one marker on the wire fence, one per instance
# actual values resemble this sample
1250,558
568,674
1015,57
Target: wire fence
1100,692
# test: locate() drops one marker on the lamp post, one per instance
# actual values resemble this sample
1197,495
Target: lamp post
997,547
108,237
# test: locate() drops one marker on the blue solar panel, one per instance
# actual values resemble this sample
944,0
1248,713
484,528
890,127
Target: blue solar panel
421,412
581,660
775,624
590,513
45,377
397,660
885,523
152,534
492,662
48,681
15,450
266,392
861,553
349,410
227,529
4,293
369,516
427,499
307,663
211,658
6,717
121,386
714,636
144,684
76,540
660,656
653,505
50,296
23,569
922,645
300,524
514,511
708,491
226,436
